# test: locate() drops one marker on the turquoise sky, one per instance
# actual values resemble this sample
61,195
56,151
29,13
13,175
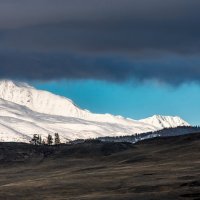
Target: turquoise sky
132,100
131,58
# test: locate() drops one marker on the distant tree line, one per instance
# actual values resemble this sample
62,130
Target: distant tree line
166,132
37,140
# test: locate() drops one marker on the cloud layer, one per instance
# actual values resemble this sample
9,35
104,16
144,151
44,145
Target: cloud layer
113,40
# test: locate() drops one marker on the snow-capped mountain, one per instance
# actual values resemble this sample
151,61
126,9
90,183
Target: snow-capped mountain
25,111
165,121
48,103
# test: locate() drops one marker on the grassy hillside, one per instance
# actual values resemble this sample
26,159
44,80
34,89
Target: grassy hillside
161,168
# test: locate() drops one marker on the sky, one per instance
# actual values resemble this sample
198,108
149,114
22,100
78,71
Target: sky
131,58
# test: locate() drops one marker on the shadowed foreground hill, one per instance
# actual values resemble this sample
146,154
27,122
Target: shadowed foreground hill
162,168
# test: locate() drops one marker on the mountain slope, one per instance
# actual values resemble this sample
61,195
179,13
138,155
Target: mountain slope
19,123
25,111
165,121
48,103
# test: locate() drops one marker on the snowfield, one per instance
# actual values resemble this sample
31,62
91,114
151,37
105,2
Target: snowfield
25,111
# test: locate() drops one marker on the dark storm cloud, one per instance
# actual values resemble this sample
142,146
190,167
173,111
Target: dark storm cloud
113,40
47,66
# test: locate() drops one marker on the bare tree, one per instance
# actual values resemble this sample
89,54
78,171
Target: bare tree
36,139
57,139
49,140
43,142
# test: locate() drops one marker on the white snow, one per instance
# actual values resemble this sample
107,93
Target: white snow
25,111
165,121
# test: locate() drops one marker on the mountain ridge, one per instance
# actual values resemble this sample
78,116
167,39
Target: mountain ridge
25,111
165,121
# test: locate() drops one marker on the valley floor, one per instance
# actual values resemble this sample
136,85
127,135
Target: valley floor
165,168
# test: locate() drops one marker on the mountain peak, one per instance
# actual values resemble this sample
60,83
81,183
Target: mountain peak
5,83
165,121
38,100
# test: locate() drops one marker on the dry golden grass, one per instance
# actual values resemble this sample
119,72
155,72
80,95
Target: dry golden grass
155,169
